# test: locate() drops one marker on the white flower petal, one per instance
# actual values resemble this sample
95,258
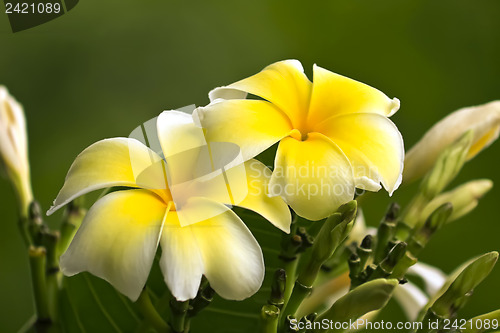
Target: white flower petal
117,240
107,163
257,196
433,277
411,298
232,259
181,261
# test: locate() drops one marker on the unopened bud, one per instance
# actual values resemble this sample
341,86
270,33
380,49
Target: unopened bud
447,166
464,198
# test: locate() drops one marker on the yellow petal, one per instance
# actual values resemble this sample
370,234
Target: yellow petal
257,198
334,94
484,120
117,240
373,145
283,83
252,125
231,258
107,163
313,176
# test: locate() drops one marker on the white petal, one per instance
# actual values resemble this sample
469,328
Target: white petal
411,299
234,264
117,240
433,277
181,261
232,259
257,196
177,132
107,163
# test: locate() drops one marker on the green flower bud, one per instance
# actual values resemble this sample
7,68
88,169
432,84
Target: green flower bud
457,290
447,166
464,198
335,230
368,297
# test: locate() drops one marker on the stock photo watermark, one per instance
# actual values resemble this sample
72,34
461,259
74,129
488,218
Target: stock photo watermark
26,14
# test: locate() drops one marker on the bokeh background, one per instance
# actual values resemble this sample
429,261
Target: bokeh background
107,66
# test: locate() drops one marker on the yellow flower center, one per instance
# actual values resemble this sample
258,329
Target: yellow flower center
298,135
165,196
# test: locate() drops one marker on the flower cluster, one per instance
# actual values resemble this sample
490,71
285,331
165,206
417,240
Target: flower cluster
171,185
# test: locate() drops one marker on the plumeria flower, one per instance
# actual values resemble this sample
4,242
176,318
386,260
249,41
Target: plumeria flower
198,233
483,120
14,148
334,134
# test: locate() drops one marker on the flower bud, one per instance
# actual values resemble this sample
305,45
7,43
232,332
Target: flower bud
447,166
464,198
14,148
484,120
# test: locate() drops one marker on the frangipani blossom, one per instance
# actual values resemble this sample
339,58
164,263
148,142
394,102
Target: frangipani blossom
118,238
14,148
484,120
334,134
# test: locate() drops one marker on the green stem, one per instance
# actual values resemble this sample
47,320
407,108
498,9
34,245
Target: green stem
73,217
37,259
289,245
269,317
179,312
150,314
53,273
291,275
24,230
412,213
300,292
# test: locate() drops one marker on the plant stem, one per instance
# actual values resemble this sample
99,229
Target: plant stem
53,273
291,275
412,212
150,314
300,292
37,259
179,311
23,229
269,318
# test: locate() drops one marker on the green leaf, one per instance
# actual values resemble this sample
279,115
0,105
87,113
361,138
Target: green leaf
481,320
370,296
89,304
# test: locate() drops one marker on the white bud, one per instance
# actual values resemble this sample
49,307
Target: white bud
14,148
483,120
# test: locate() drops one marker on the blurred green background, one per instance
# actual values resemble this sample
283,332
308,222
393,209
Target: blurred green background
107,66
